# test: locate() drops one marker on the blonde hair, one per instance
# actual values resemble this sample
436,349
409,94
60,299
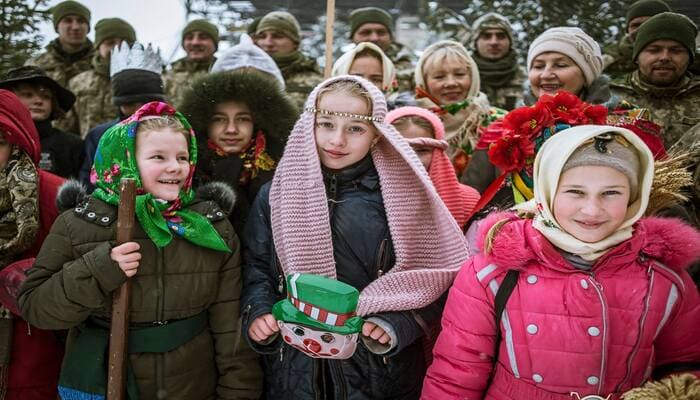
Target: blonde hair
405,122
443,54
347,87
163,122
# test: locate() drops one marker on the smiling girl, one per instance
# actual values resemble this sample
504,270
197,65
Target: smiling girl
350,201
184,263
602,300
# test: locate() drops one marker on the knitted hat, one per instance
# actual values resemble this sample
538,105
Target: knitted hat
645,8
70,7
491,20
108,28
32,74
460,199
203,26
667,25
365,15
247,55
321,303
608,150
253,26
430,247
574,43
282,22
135,74
343,64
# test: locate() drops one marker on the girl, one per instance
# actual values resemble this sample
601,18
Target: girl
242,119
447,82
601,300
368,61
183,261
350,201
426,135
561,60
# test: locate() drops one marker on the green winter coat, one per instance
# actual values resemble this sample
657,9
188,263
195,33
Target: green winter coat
180,76
73,278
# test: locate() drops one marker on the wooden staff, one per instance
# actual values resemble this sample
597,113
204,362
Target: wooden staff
119,329
330,20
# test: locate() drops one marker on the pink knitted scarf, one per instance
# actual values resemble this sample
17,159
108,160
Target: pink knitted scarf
460,199
429,246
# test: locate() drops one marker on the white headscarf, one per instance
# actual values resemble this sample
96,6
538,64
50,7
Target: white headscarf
430,51
343,64
547,170
247,55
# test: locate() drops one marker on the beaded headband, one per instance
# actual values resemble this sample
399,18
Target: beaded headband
341,114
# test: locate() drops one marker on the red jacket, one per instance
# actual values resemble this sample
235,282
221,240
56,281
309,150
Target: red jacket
567,330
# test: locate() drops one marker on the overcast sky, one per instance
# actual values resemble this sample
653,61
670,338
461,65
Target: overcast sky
155,21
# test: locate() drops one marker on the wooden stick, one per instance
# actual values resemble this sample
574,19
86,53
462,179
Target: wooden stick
330,21
119,328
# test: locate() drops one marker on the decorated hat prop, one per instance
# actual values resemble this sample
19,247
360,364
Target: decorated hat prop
318,316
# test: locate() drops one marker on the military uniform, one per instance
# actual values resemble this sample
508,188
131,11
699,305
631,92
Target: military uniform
676,107
617,58
502,80
301,75
93,93
181,75
402,58
61,66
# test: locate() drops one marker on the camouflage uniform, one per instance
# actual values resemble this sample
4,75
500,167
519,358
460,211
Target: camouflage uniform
61,66
301,75
93,93
403,61
181,75
617,58
502,80
675,107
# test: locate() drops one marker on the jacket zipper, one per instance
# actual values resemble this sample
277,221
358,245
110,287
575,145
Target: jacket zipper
160,357
338,369
603,355
642,321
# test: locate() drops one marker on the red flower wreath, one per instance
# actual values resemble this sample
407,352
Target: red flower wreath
527,121
511,153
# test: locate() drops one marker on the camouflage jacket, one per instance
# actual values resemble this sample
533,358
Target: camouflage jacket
502,80
61,66
675,107
617,58
301,75
181,75
404,63
93,92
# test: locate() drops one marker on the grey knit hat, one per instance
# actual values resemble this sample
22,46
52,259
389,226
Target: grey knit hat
609,150
491,20
282,22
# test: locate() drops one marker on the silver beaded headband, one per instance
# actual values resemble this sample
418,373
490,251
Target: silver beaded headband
341,114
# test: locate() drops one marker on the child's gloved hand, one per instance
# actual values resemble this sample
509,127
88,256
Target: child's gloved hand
263,327
127,256
375,332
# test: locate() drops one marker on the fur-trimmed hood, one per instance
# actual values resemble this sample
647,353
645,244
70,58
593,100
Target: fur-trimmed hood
273,111
73,192
515,242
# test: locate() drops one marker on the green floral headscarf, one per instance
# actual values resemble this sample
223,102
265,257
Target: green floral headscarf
115,159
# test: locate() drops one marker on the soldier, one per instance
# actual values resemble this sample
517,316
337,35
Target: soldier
278,33
61,152
200,39
663,49
617,58
92,89
372,24
501,75
71,52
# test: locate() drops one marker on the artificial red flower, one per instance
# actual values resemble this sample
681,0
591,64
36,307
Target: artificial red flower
527,121
511,152
564,106
592,114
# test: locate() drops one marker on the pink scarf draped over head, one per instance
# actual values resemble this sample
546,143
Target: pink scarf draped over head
430,247
460,199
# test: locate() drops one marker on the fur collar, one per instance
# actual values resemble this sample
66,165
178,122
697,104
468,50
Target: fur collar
667,240
73,192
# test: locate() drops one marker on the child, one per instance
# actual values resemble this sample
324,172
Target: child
368,61
184,264
350,201
602,300
426,135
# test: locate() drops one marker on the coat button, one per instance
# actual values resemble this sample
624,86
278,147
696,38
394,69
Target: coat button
104,220
532,329
537,378
584,283
592,380
593,331
91,215
532,279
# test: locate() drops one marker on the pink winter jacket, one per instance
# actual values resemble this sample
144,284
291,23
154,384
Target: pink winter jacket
566,330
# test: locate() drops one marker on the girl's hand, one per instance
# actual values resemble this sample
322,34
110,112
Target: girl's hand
127,256
375,332
263,327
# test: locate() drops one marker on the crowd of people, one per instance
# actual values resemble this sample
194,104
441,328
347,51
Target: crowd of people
453,226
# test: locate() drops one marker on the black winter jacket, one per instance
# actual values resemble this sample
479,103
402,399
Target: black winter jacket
363,250
61,153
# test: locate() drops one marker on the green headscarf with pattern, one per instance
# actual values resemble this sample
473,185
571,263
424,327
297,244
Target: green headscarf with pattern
115,159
